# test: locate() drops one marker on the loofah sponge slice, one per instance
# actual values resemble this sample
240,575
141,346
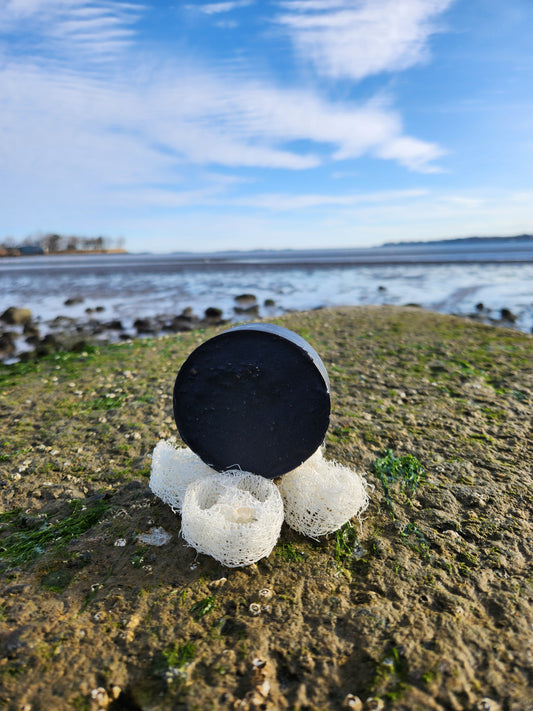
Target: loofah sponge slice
173,469
320,496
235,517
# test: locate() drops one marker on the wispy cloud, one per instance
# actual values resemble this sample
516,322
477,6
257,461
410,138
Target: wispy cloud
216,8
344,39
179,113
284,201
87,116
112,132
77,29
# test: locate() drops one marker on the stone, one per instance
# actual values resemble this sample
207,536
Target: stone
33,337
252,310
212,312
245,299
62,322
30,329
181,323
114,325
144,325
48,344
507,315
7,344
15,316
73,300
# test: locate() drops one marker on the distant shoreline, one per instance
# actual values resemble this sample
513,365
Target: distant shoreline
461,240
305,259
15,253
391,252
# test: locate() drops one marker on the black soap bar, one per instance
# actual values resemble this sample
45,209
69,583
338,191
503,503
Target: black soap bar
255,397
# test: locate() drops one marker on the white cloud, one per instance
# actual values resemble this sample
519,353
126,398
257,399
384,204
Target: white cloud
93,135
412,153
73,29
136,133
284,201
217,8
353,39
246,117
464,201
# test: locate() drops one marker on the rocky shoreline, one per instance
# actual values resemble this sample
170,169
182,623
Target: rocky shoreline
22,337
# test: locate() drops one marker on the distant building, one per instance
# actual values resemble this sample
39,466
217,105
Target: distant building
30,249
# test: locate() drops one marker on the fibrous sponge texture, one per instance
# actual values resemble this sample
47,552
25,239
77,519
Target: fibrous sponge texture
173,469
235,517
320,496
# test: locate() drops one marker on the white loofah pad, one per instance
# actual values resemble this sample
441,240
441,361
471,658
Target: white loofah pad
173,469
321,496
235,517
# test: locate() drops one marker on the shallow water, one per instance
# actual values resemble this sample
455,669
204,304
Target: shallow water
132,286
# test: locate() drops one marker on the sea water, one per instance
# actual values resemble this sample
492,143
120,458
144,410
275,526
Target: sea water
445,279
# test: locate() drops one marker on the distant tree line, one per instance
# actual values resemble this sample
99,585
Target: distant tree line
52,243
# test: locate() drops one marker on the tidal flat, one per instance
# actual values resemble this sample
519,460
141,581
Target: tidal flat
426,603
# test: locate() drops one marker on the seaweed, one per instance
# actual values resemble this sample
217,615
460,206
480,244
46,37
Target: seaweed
405,473
203,607
36,534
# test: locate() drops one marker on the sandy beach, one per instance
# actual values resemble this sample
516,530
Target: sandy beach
424,604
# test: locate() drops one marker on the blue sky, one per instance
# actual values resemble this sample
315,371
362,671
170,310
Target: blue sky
266,124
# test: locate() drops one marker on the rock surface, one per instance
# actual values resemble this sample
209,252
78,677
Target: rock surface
425,604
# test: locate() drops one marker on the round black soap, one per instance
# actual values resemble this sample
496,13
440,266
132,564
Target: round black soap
255,397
